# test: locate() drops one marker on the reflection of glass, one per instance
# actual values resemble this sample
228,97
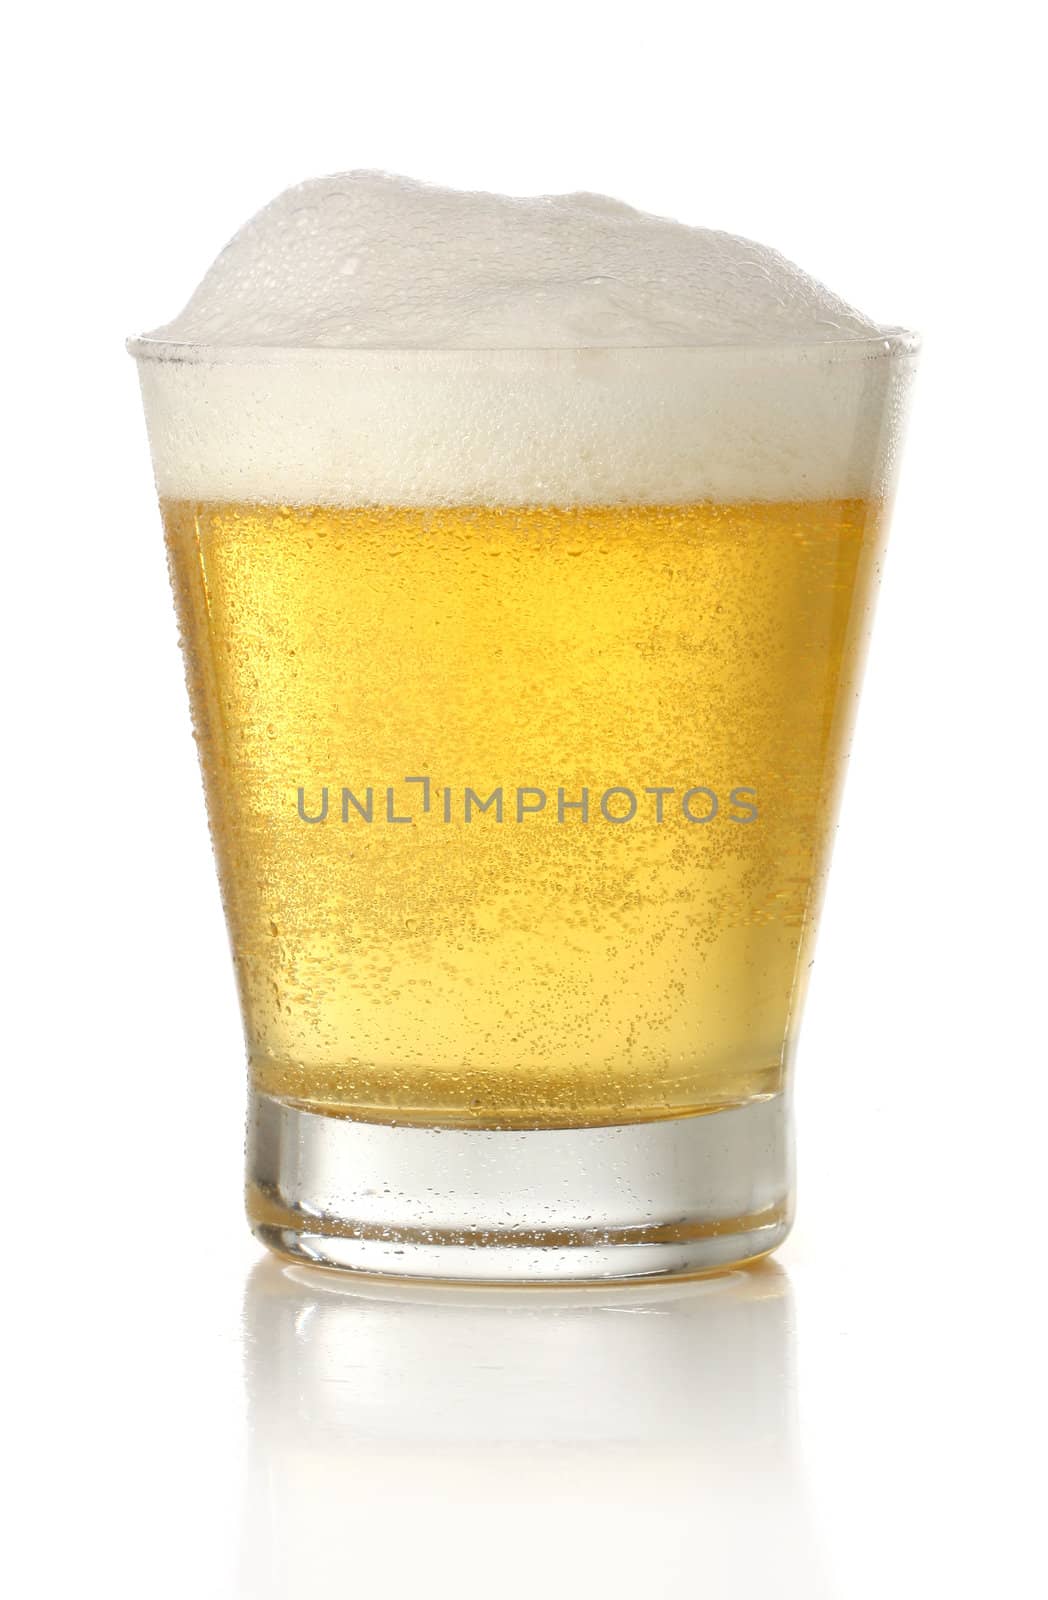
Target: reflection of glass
522,811
409,1443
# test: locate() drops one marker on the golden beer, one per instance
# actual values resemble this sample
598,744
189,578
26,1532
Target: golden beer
524,554
521,812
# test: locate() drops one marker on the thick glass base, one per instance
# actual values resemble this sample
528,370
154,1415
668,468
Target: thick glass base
665,1199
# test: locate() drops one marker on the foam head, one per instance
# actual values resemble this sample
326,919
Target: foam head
371,339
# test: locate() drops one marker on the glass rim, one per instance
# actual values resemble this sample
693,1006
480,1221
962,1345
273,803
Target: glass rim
883,343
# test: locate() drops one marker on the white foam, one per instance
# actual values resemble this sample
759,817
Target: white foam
367,339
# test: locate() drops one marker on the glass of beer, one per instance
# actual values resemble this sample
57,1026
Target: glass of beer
523,676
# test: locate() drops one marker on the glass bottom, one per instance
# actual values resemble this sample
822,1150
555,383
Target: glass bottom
669,1199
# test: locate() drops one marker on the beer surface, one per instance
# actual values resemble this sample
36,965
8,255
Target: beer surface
555,967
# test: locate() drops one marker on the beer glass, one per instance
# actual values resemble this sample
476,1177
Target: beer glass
522,760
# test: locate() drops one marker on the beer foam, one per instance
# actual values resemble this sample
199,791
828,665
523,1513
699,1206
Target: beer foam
369,339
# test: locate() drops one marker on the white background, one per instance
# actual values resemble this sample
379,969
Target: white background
866,1417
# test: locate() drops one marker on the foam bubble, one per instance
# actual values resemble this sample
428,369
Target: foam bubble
364,261
368,339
